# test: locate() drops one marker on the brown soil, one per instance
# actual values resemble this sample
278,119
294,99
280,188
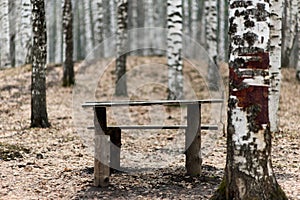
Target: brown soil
56,163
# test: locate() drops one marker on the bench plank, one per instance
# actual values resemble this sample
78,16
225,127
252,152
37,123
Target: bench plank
174,127
150,102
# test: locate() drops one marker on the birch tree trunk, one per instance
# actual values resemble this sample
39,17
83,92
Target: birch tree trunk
5,60
59,33
149,22
68,64
133,19
276,7
39,117
212,45
121,85
174,49
194,19
222,35
88,27
23,40
98,27
12,16
186,18
249,173
298,29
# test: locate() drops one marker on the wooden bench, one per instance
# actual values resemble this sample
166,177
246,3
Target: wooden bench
108,138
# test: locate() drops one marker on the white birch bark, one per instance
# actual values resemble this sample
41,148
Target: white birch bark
121,43
58,33
5,60
298,30
113,14
194,19
88,27
186,18
13,20
98,27
24,33
276,9
222,35
249,173
149,23
174,49
212,45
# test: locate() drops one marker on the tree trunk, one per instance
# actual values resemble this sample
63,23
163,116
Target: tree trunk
275,62
68,64
149,22
221,37
39,117
298,30
174,45
59,33
88,28
12,6
5,60
194,19
186,18
121,85
98,27
212,45
23,40
249,173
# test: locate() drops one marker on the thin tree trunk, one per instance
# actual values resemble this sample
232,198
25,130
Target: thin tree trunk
275,62
59,33
12,6
23,40
98,27
149,22
88,27
186,18
174,45
222,35
68,64
212,45
121,85
133,20
194,19
298,30
39,117
5,60
249,173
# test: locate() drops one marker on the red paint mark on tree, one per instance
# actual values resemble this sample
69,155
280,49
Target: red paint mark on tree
257,61
253,99
257,97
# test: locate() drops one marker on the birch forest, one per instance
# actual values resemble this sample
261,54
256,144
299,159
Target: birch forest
150,99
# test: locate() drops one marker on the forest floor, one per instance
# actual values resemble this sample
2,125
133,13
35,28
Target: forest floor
56,163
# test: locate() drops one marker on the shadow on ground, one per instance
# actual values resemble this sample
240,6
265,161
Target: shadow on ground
171,183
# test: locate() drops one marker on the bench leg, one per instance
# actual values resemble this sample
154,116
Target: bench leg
193,140
115,148
102,149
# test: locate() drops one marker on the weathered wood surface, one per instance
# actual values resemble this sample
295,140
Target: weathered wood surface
193,140
102,149
115,148
149,103
174,127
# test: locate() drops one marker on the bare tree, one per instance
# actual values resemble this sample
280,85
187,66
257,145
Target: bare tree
39,117
276,7
298,27
5,59
212,44
174,49
121,86
249,172
23,40
68,64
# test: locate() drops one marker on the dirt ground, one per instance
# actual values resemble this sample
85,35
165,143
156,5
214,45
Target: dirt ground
56,163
